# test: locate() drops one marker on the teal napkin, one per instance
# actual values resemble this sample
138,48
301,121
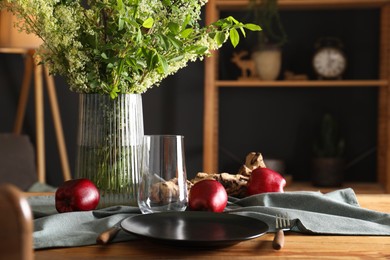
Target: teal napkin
41,187
52,229
335,213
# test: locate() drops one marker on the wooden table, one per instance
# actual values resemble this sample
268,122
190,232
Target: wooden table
297,246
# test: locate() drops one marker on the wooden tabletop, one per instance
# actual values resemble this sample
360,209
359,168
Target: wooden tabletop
297,246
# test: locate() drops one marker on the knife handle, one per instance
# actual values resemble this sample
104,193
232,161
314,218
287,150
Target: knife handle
106,236
278,241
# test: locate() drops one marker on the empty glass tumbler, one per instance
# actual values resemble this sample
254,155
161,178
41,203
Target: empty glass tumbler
163,185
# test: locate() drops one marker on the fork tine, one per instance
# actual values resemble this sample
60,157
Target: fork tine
276,222
279,221
284,219
287,220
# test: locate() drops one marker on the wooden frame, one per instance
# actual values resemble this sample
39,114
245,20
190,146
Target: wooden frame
31,66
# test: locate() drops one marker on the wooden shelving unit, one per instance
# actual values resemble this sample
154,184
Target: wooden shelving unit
213,83
307,83
303,4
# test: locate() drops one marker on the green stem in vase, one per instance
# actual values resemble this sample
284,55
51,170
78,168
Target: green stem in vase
109,144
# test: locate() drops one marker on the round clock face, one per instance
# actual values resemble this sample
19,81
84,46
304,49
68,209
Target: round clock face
329,62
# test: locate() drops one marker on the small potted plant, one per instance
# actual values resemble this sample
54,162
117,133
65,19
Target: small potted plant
328,162
271,38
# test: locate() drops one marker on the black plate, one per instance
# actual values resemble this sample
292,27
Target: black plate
191,228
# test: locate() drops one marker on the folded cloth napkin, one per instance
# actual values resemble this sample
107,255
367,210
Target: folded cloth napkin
336,212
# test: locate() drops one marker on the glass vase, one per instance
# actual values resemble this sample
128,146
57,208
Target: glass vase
110,134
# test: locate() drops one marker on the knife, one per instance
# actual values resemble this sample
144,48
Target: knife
108,235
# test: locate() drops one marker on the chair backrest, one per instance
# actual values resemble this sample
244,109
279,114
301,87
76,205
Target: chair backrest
16,225
17,161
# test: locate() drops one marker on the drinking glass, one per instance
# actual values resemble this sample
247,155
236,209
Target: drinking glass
163,185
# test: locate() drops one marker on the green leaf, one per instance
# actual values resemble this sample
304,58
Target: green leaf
176,58
220,38
197,49
186,21
114,92
252,27
163,68
175,42
119,4
174,28
185,33
113,95
120,23
243,31
151,59
104,56
148,23
232,20
164,41
167,2
234,37
131,23
139,36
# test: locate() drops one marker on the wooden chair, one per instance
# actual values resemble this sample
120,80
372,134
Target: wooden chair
17,161
12,41
16,225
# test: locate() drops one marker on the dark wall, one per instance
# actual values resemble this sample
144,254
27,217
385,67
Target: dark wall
279,122
176,107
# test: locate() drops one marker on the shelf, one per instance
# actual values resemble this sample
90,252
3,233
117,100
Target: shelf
16,50
301,83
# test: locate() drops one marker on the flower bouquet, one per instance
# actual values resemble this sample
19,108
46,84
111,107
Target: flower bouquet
121,46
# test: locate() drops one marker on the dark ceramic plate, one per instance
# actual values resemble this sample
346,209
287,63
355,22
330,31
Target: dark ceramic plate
195,229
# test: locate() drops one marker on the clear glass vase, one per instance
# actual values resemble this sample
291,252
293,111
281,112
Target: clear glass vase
110,133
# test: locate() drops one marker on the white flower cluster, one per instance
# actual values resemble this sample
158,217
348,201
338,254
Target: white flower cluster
119,46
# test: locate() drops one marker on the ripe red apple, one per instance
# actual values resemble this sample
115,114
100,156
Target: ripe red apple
77,195
265,180
207,195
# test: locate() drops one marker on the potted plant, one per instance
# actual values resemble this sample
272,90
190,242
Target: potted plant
111,52
328,163
267,54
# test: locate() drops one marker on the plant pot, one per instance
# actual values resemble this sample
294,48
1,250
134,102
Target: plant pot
328,172
110,134
268,61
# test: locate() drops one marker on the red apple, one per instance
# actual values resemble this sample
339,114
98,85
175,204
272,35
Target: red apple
77,195
207,195
265,180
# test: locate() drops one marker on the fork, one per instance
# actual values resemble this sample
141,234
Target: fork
283,222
